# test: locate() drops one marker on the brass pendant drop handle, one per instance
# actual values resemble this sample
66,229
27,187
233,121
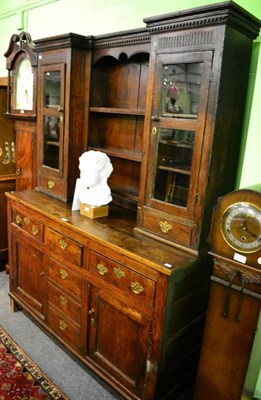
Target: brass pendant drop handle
63,244
136,287
63,300
118,272
165,226
18,219
62,325
102,269
63,274
34,230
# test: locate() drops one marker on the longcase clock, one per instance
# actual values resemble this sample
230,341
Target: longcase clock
235,296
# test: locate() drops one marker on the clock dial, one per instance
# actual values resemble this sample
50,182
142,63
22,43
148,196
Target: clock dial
23,99
241,227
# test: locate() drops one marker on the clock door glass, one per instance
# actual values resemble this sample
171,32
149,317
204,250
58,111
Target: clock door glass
241,227
23,86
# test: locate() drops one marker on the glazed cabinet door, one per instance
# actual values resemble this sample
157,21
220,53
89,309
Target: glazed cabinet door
28,276
176,142
119,340
51,132
177,130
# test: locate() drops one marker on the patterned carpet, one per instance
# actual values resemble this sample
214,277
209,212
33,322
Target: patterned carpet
20,378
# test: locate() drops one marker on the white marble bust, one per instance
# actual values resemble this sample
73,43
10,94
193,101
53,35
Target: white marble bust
92,187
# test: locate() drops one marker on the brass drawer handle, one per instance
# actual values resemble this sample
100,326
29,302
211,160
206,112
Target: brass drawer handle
18,219
26,221
34,230
165,226
63,274
50,184
136,287
63,300
62,325
63,244
118,272
102,269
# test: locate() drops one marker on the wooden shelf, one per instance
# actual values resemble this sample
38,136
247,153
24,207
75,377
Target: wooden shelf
184,170
118,153
110,110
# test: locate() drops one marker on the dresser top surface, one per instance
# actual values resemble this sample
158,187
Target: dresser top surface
116,231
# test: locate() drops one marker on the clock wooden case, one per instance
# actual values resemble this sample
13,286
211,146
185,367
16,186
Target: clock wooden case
235,296
21,64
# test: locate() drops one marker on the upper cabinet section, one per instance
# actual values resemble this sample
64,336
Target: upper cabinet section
21,64
118,93
198,65
63,92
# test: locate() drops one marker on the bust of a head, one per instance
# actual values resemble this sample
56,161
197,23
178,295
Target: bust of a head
95,169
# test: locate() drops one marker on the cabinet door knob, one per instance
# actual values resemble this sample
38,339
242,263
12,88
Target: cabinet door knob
155,118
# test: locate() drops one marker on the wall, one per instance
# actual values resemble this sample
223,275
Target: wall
43,18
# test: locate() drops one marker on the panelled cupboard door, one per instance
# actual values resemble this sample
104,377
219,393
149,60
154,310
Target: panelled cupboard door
179,108
28,276
119,340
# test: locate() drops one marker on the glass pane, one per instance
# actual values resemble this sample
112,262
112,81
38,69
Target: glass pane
51,142
52,89
180,90
173,165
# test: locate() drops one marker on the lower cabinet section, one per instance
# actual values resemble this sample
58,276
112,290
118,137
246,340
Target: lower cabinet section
132,310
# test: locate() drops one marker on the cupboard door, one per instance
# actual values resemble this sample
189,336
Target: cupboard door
51,132
28,283
119,340
179,107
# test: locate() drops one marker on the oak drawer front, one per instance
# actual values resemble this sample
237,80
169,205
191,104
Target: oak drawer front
63,327
167,229
28,224
130,282
64,247
64,303
64,278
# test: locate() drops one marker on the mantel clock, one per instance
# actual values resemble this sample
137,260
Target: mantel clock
21,64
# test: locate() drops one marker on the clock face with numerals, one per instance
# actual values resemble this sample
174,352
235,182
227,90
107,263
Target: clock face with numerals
241,227
23,86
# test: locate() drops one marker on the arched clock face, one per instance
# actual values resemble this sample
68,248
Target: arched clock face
241,227
23,99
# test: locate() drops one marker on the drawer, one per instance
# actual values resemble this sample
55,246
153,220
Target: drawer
63,327
167,229
63,277
28,224
64,303
130,282
64,247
